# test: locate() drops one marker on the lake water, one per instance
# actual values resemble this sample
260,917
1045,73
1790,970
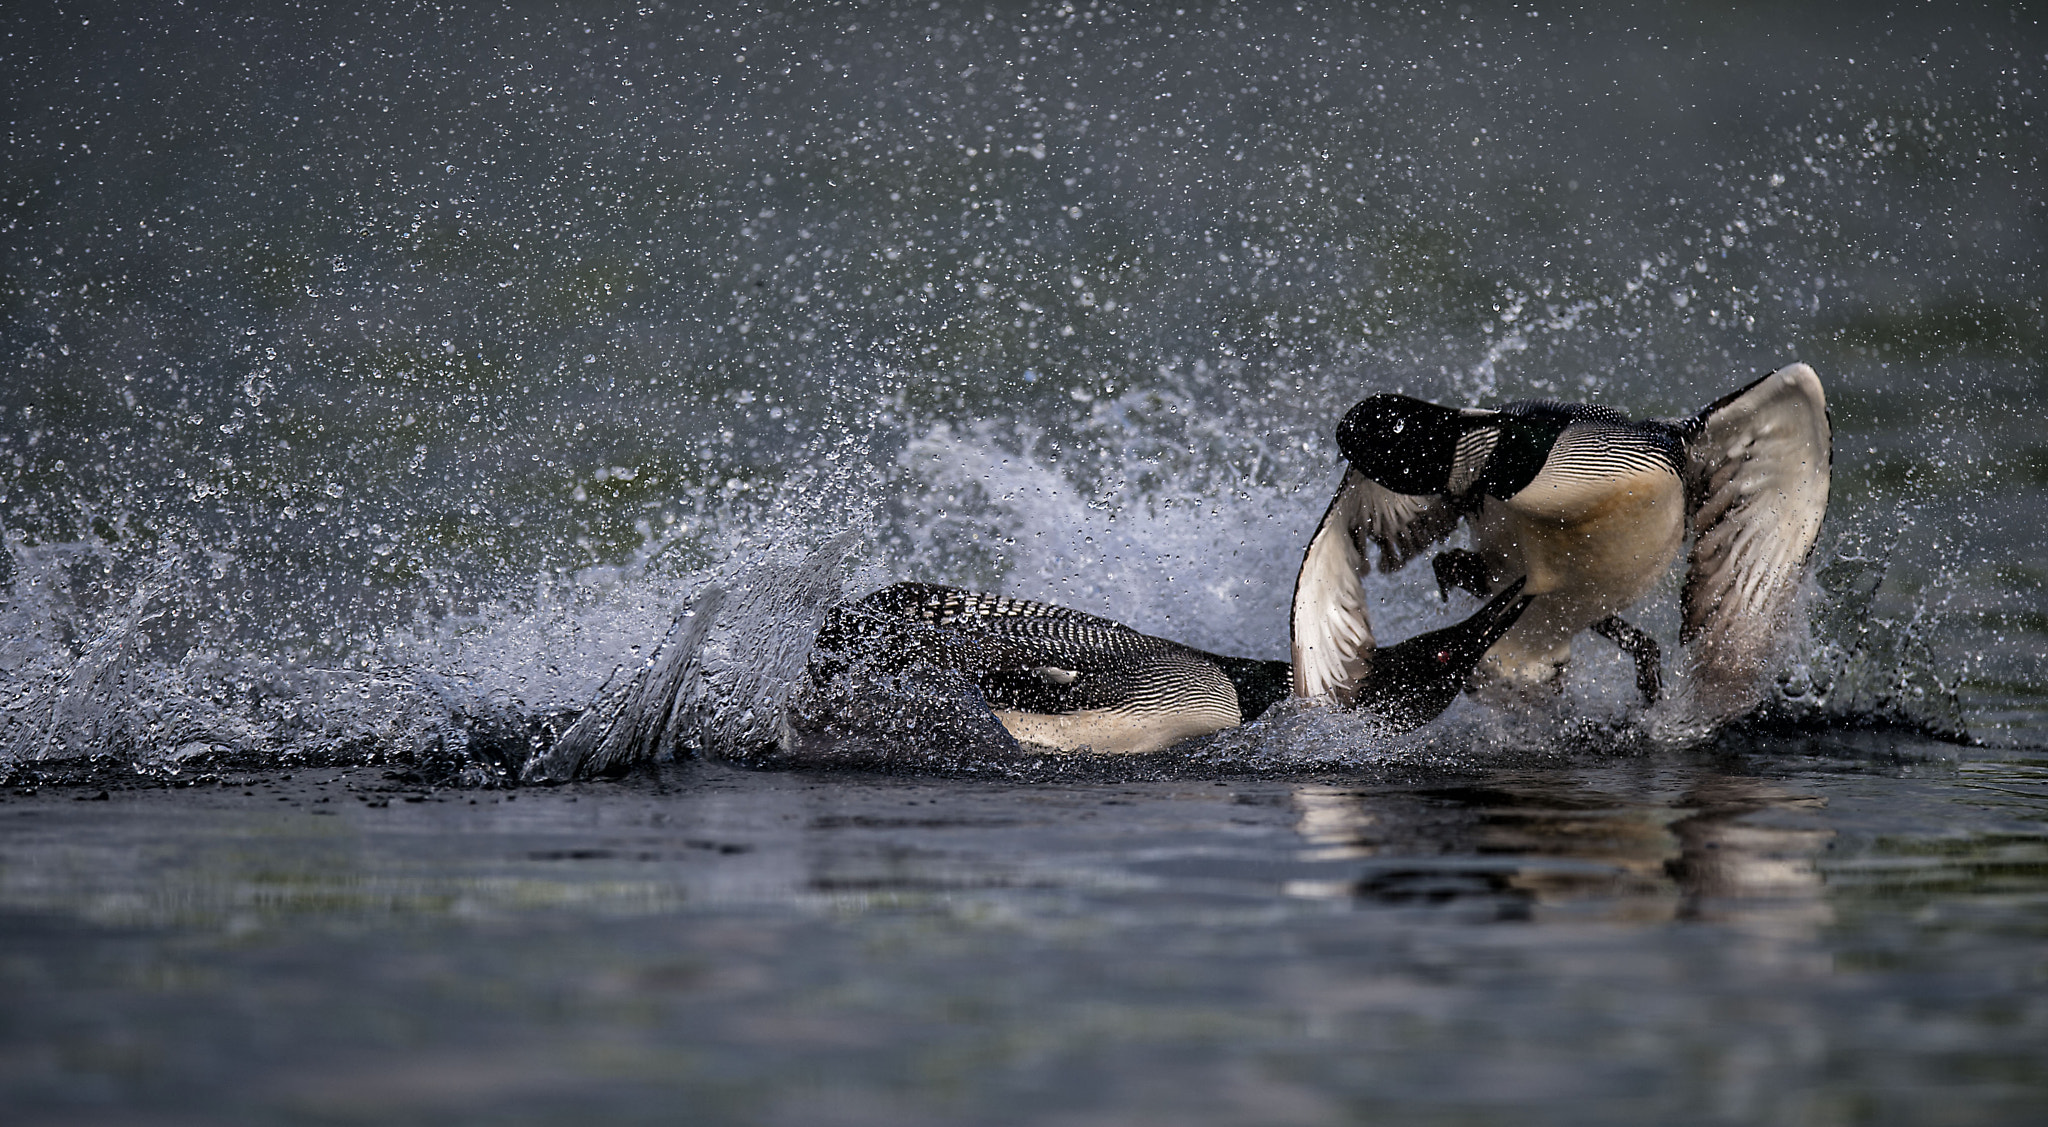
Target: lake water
380,388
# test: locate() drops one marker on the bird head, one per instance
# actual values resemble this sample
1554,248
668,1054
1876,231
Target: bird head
1412,682
1405,444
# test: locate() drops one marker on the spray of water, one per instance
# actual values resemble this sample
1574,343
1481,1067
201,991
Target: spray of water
1154,509
439,403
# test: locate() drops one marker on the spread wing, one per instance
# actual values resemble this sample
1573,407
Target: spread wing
1332,633
1757,469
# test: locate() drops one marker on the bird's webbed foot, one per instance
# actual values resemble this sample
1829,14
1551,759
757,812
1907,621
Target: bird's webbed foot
1643,648
1463,569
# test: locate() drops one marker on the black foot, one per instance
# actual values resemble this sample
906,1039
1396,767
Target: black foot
1463,569
1641,647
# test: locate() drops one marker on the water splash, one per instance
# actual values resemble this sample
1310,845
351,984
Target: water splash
108,668
377,441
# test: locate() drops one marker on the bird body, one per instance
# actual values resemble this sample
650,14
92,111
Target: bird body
1592,532
1590,508
1066,679
1051,674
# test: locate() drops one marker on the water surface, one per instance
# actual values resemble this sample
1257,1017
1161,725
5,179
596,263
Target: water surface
1800,932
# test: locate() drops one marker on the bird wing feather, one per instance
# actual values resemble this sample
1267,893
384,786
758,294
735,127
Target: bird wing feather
1757,471
977,631
1404,525
1332,632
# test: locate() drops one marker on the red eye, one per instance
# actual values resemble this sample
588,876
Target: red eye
1443,657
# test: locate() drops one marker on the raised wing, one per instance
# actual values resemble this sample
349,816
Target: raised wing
1757,470
1332,633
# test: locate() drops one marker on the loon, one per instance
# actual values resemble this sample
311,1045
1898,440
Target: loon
1589,508
1069,680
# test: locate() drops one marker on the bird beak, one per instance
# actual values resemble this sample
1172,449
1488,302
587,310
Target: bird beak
1498,616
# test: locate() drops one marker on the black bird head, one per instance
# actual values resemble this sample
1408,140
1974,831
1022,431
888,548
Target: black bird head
1403,443
1412,682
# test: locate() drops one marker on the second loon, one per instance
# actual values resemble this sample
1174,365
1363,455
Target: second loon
1067,679
1591,508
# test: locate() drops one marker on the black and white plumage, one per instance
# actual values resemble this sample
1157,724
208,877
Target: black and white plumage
1590,507
1067,679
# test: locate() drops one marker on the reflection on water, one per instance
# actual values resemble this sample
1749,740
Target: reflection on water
1724,848
1788,938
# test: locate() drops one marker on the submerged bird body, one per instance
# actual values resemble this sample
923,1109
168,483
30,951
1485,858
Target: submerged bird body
1591,508
1052,675
1066,679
